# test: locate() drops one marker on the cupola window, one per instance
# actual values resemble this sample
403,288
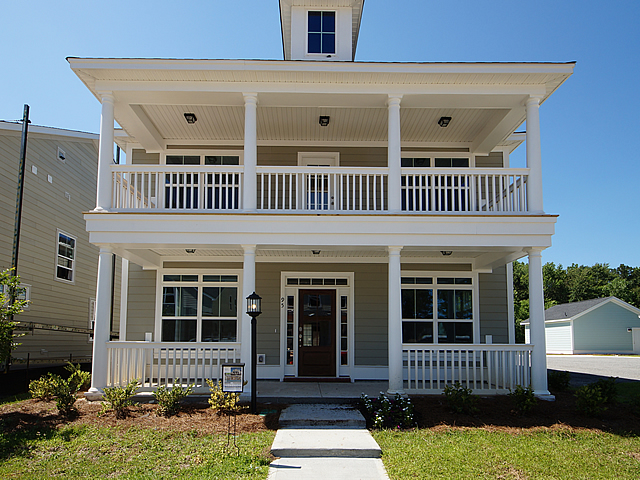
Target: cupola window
321,32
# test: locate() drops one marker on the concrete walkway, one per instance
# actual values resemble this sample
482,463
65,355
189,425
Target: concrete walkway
325,441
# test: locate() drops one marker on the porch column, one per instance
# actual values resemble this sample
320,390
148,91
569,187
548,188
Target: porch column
105,154
393,153
395,323
534,156
101,328
249,203
536,319
248,287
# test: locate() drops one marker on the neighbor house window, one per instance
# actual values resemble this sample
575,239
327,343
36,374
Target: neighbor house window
199,308
321,32
437,310
66,257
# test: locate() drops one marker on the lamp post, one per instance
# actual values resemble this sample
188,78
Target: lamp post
254,308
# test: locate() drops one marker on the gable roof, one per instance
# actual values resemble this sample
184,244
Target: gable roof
573,310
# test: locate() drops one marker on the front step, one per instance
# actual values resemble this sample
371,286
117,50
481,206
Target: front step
321,415
319,442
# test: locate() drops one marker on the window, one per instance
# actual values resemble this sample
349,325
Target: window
202,159
66,257
200,308
321,31
417,162
439,311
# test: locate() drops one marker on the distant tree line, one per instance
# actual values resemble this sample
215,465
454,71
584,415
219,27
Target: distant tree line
574,284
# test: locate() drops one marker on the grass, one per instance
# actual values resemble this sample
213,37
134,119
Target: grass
14,398
478,453
84,452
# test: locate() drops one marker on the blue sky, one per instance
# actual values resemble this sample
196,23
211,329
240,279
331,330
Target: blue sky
589,126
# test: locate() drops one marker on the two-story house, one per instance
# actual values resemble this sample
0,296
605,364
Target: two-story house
371,205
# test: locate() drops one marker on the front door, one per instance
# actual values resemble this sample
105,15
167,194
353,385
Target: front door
317,334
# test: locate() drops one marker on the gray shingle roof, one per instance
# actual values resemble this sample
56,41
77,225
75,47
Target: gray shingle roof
569,310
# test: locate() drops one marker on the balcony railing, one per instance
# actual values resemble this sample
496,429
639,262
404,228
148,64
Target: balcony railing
318,189
155,364
485,369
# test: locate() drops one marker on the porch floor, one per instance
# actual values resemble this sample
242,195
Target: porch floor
274,391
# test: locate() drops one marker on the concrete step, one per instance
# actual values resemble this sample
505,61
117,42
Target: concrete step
321,415
325,442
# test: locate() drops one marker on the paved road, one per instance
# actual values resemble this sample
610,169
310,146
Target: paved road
601,365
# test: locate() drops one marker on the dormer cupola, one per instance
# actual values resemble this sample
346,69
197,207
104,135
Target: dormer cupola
321,30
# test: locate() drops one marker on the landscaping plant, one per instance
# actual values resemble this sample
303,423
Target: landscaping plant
66,390
79,377
385,412
460,399
608,389
558,381
590,401
10,305
44,388
523,399
169,399
118,399
222,401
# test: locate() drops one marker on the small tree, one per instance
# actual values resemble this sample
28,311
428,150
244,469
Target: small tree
10,305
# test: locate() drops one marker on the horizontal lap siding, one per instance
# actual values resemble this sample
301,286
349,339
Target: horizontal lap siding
558,337
141,306
605,330
494,310
349,156
46,208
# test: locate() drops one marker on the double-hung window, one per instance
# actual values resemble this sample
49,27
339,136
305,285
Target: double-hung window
199,308
321,32
437,310
65,257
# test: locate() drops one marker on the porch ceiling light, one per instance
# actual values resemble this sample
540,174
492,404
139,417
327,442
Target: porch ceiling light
190,118
446,253
315,252
444,121
190,250
324,120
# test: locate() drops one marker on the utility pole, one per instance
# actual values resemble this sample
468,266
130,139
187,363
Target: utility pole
18,218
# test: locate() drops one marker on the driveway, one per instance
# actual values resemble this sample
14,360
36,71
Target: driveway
588,366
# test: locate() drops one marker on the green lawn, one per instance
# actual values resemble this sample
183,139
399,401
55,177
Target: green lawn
476,453
85,452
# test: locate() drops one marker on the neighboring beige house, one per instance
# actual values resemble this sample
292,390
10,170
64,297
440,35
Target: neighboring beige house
371,205
56,263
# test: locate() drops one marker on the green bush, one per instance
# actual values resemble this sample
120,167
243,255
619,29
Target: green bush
385,412
222,401
558,381
590,401
460,399
79,377
118,399
45,387
523,399
608,389
169,400
66,390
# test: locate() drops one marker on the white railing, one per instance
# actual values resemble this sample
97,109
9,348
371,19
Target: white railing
475,190
341,189
176,187
155,364
485,369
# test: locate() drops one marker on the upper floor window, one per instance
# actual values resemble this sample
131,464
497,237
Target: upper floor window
321,31
66,258
202,159
438,162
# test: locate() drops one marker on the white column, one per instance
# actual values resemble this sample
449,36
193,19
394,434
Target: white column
393,153
395,323
249,203
534,156
536,319
248,287
102,325
105,154
510,305
124,299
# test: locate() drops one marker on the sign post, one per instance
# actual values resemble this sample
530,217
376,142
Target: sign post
233,383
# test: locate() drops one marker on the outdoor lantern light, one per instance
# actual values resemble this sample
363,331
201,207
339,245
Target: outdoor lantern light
444,121
254,308
324,120
190,118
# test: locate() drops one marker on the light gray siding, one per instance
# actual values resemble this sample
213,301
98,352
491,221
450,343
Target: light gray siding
604,330
140,157
349,156
558,337
141,305
47,207
493,160
494,312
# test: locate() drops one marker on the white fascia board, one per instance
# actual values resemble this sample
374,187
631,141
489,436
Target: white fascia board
615,300
491,135
61,132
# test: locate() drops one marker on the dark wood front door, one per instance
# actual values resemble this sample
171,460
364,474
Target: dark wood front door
317,333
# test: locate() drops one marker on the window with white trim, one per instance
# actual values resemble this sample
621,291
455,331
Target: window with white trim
66,257
437,309
199,308
321,32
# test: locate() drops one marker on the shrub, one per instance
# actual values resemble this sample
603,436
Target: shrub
590,401
608,389
385,412
460,399
222,401
79,377
169,400
45,387
66,390
558,381
118,399
523,399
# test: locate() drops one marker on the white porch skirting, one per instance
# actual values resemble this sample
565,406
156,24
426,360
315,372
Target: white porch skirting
155,364
485,369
